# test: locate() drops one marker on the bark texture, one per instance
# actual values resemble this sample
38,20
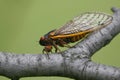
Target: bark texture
73,63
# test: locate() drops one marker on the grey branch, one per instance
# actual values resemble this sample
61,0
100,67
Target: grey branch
73,63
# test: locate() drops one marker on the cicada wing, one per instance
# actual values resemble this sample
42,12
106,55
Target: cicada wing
86,21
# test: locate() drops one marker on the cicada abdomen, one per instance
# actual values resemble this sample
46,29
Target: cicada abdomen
75,29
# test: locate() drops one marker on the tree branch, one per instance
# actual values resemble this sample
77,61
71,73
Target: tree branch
73,63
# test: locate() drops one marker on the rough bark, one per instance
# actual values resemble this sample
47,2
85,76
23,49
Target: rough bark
73,63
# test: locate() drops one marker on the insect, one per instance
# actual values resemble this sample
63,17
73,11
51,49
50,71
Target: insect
74,30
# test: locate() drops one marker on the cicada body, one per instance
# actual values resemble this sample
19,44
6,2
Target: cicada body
74,30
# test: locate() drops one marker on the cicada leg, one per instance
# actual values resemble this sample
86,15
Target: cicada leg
56,47
47,49
43,51
47,55
63,43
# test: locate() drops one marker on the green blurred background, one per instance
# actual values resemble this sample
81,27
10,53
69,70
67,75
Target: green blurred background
22,22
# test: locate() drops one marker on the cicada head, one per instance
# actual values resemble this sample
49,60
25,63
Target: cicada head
47,43
44,41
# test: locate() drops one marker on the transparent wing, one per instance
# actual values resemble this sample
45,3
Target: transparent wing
86,21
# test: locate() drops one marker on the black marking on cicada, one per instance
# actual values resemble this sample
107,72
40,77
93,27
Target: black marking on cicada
74,30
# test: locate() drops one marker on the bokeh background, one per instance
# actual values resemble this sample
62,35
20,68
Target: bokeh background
22,22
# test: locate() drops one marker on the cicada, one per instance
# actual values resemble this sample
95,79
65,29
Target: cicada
74,30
